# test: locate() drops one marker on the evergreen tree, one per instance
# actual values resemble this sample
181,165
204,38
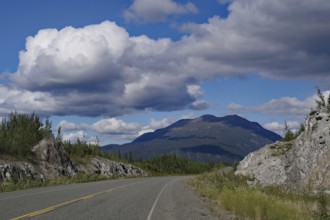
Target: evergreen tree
59,136
321,101
288,134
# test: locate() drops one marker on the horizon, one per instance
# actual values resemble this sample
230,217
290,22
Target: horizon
115,70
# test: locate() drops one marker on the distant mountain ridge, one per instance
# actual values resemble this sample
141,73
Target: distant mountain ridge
206,138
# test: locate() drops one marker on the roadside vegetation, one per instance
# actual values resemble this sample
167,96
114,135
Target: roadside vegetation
20,132
255,202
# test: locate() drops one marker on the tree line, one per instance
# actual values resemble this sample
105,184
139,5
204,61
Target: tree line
172,164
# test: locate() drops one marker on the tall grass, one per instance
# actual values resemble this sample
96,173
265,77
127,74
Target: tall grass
247,202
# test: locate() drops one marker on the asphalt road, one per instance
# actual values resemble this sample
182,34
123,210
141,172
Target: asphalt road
139,198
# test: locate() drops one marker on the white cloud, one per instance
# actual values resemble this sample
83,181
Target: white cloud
70,126
82,136
110,128
71,57
96,70
194,90
285,106
72,137
156,10
199,105
115,126
279,127
274,38
154,124
101,70
24,101
67,126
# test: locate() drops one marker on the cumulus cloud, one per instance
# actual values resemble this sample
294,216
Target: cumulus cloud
71,57
24,101
274,38
97,70
156,10
101,70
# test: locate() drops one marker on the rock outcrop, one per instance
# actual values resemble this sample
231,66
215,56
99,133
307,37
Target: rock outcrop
105,167
14,171
50,161
299,164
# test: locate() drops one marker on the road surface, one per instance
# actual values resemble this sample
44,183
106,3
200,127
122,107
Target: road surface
139,198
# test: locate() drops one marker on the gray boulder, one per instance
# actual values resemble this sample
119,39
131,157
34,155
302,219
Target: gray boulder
300,164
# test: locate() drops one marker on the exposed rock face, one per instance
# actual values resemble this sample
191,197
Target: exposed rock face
16,171
302,163
107,167
51,161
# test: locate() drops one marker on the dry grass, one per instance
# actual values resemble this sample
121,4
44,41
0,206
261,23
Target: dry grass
245,202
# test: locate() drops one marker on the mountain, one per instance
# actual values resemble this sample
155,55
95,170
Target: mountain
207,138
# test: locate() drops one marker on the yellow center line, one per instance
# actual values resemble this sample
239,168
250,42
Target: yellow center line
52,208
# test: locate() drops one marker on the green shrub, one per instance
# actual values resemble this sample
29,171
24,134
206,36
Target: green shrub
20,132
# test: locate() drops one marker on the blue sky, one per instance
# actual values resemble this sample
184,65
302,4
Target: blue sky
117,69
